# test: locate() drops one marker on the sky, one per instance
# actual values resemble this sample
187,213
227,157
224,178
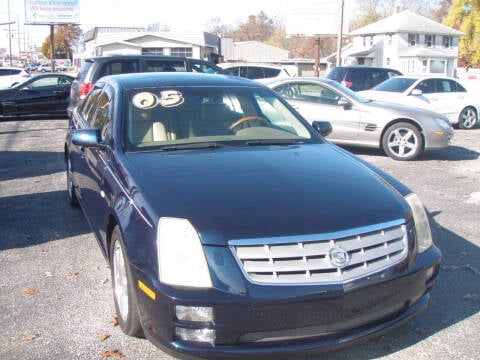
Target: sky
177,14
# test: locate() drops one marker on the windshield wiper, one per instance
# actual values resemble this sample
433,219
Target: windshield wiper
273,142
208,145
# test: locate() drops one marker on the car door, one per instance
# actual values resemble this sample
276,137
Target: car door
319,102
449,97
95,163
45,95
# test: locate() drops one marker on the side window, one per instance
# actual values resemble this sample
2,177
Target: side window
101,118
427,86
254,72
391,74
119,67
242,71
202,67
164,66
89,105
286,90
268,72
232,71
317,93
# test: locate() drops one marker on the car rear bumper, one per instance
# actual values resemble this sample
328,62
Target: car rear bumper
306,319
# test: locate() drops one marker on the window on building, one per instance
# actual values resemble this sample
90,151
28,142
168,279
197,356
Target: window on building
152,51
447,41
438,66
413,39
389,39
187,52
387,61
371,41
429,40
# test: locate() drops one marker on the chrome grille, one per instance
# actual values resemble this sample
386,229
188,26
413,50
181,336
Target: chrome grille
279,261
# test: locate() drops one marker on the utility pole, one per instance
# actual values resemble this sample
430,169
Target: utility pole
340,35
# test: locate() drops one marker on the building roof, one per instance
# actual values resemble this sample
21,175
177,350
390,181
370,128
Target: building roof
406,21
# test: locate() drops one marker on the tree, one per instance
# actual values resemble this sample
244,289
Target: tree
464,15
65,37
258,27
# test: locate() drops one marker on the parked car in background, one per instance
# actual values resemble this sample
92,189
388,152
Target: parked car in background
402,132
253,71
359,77
96,67
42,94
11,75
233,228
437,93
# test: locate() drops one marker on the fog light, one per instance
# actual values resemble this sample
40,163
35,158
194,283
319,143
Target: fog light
196,335
194,313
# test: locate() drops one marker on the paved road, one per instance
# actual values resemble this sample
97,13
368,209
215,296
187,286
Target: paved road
55,290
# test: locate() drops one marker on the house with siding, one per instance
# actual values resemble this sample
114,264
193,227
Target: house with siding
407,42
101,41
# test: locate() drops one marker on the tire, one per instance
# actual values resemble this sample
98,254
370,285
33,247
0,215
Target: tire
402,141
468,118
123,287
72,197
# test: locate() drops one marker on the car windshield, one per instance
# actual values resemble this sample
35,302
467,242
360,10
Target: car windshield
349,93
174,118
395,84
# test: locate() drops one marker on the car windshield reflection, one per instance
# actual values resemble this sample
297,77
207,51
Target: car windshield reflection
181,118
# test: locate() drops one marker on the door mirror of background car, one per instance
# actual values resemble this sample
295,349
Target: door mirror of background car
416,92
323,127
347,105
90,137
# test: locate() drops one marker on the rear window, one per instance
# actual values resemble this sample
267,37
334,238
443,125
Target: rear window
118,67
336,74
164,66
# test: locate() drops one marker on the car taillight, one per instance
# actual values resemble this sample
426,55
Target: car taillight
85,89
347,83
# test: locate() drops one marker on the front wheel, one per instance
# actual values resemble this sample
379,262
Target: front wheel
467,119
72,197
123,287
402,141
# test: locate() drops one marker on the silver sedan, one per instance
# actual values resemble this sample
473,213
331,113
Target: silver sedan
403,132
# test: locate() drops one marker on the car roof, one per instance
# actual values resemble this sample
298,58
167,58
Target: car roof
233,64
299,79
151,56
153,79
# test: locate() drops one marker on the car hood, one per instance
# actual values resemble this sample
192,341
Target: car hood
394,102
245,193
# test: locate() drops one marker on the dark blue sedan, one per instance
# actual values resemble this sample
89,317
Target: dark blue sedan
233,228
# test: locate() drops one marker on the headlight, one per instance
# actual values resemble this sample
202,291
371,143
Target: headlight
180,254
444,123
422,226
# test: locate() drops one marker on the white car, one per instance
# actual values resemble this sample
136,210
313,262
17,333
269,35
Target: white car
441,94
11,75
255,71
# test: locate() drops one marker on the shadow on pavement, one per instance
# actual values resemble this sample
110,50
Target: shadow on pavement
37,218
25,164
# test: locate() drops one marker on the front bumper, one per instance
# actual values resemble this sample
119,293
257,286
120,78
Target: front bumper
289,320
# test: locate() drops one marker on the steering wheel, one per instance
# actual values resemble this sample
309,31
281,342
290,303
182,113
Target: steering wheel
247,118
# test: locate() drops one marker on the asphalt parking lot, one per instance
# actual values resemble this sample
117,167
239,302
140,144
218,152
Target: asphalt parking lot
55,289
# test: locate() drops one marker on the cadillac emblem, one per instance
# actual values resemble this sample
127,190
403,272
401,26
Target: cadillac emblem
338,257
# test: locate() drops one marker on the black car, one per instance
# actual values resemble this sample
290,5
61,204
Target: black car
233,228
96,67
42,94
361,77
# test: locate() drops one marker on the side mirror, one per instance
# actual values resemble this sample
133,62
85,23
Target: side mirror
88,138
324,128
416,92
347,105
